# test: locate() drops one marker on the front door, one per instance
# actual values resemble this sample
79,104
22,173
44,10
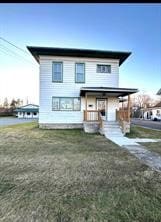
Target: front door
101,105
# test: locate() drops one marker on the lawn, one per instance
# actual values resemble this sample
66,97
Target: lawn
70,176
147,133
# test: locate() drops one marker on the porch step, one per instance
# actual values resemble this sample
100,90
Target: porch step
111,128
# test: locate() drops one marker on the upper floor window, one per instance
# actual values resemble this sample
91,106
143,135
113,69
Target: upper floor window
103,68
57,72
80,73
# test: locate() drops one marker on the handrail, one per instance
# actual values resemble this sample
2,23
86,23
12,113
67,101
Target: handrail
122,115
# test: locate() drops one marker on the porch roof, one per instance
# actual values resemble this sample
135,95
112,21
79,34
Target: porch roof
107,91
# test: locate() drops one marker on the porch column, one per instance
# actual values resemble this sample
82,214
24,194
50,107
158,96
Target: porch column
122,103
128,108
122,111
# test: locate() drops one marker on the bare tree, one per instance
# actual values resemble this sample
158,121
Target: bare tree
19,102
13,104
6,103
139,102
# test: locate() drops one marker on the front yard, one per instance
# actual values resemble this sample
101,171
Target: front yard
70,176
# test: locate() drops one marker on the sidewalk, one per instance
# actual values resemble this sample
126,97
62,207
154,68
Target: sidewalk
149,158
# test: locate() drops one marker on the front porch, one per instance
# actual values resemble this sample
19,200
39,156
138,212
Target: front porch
105,109
94,122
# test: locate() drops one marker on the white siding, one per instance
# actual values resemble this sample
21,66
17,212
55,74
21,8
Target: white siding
69,88
24,115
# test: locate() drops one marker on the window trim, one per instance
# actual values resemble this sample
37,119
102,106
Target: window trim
103,65
66,97
57,81
76,73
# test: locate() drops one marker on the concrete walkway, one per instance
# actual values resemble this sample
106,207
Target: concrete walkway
149,158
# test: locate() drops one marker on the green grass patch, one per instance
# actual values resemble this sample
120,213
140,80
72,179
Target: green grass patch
140,132
70,176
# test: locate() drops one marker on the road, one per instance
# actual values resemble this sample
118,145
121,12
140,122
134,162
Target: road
6,121
147,123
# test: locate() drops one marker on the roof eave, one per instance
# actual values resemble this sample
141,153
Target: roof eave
38,51
159,92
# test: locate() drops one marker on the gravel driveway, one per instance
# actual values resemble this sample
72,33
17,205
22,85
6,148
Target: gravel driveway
6,121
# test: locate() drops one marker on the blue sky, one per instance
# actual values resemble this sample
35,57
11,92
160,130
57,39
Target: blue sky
122,27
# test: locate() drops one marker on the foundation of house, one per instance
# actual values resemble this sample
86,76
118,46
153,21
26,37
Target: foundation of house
60,126
91,127
125,127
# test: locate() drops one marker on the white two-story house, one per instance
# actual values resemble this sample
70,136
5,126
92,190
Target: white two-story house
79,87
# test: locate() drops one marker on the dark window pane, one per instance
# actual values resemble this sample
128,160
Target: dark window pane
55,103
66,104
80,77
57,71
104,68
76,103
80,72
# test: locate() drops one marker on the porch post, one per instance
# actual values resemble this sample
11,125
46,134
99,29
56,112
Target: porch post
128,108
122,111
122,103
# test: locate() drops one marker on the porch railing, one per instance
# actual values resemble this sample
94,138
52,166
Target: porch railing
91,115
122,115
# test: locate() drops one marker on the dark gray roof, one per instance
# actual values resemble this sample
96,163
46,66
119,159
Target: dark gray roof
36,51
110,91
26,109
159,92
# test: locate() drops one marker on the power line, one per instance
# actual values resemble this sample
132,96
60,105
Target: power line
15,54
14,45
11,53
5,52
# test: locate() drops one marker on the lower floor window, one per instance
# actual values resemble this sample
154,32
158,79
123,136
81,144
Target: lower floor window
28,113
35,114
66,103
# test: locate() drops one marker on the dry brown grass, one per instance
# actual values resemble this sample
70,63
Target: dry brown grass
70,176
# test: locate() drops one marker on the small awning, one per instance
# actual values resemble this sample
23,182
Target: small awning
107,91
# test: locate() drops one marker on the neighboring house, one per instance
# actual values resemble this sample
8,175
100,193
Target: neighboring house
79,87
152,112
27,111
